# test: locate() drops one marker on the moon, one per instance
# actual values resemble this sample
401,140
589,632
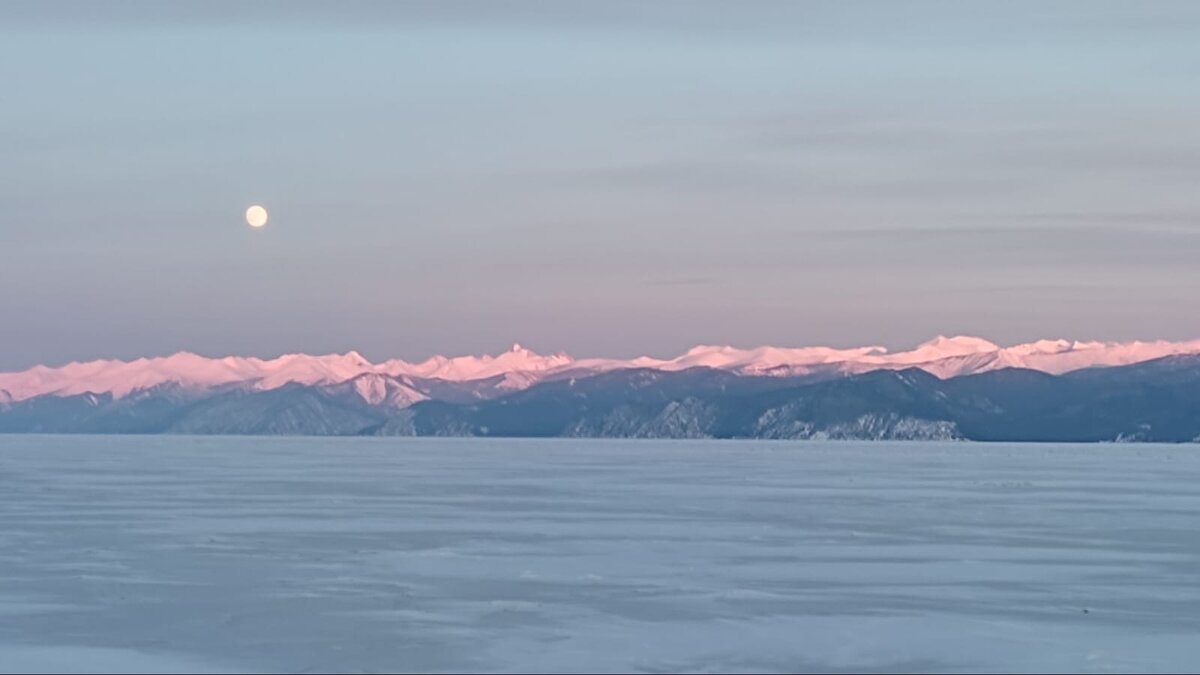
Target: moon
256,216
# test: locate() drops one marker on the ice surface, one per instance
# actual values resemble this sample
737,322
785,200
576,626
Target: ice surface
185,554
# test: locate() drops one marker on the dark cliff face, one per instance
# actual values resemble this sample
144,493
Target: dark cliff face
1153,401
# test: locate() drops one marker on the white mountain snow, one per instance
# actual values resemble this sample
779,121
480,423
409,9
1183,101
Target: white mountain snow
392,382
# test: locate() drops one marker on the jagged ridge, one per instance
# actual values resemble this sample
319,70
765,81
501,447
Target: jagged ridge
1157,400
400,383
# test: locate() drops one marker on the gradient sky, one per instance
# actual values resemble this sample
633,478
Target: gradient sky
603,178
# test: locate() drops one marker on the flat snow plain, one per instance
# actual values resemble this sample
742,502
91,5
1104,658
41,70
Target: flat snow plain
359,555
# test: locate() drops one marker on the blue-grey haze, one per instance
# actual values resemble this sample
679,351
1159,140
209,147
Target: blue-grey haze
603,177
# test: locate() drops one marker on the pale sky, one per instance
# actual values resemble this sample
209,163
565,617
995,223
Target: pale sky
601,178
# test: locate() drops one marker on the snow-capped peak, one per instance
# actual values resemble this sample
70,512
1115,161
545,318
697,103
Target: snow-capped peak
520,367
942,346
1044,347
461,368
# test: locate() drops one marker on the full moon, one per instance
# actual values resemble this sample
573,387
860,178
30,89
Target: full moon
256,216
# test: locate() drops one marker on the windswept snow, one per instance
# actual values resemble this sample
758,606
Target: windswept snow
359,555
520,367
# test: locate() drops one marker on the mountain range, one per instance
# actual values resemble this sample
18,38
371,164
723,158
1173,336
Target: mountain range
948,388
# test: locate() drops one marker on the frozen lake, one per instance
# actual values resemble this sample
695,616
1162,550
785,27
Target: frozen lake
182,553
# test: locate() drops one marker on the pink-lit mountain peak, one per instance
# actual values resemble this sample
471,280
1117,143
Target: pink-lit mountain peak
519,367
459,368
942,346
